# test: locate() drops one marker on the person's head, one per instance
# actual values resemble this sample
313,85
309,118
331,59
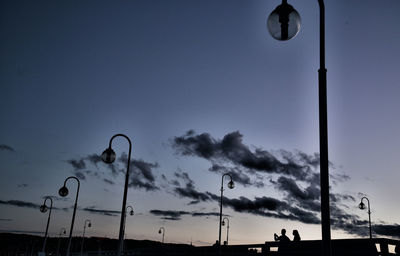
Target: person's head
295,232
283,231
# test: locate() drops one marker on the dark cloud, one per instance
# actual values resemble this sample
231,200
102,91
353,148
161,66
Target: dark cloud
169,215
108,181
231,149
189,190
80,175
101,212
24,204
392,230
94,159
6,219
270,207
23,185
238,175
177,215
77,164
6,148
22,231
141,174
19,203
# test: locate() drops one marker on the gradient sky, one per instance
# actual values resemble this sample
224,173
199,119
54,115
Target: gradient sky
200,87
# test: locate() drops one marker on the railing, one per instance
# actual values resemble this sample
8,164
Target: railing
340,247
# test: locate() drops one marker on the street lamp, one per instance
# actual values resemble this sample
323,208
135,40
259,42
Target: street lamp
163,233
108,156
63,231
287,24
227,228
83,236
64,192
43,209
362,207
130,213
231,185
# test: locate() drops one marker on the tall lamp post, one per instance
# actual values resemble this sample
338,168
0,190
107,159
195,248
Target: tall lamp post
130,213
64,192
89,224
362,207
283,24
63,231
43,208
231,185
163,233
108,156
227,228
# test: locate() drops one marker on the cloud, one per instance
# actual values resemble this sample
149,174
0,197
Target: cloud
238,175
6,219
189,190
294,175
25,204
177,215
232,150
77,164
4,147
23,185
108,181
141,174
93,210
19,203
169,215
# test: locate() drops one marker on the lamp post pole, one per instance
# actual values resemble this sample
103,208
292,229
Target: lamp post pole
323,138
163,233
108,156
62,231
83,235
281,15
43,209
227,229
362,207
231,186
64,192
131,213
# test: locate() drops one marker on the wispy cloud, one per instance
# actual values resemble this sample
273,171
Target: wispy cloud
25,204
19,203
141,172
4,147
177,215
92,209
294,175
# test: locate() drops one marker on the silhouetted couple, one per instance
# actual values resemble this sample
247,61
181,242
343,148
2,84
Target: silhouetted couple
284,239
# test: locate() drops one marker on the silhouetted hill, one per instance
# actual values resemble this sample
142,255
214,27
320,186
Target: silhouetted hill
27,244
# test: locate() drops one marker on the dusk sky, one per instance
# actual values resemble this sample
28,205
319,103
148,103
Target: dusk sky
201,89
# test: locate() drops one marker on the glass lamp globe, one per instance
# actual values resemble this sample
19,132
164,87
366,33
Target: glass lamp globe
89,225
223,223
65,232
63,191
131,212
108,156
43,208
361,206
284,22
231,184
159,231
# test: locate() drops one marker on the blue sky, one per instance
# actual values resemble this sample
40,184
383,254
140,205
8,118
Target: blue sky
73,74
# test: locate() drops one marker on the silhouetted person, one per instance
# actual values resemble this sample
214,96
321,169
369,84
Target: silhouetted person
282,238
283,241
296,236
